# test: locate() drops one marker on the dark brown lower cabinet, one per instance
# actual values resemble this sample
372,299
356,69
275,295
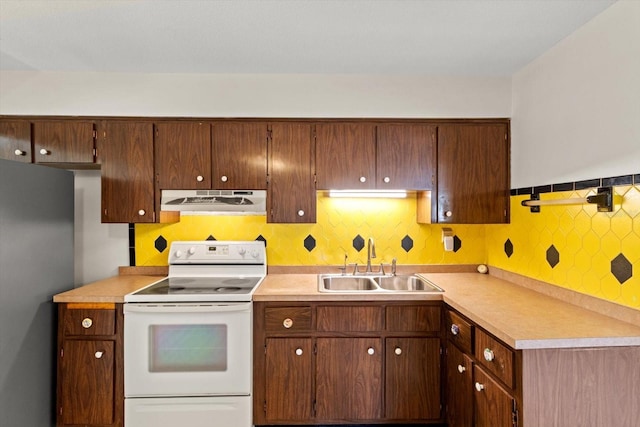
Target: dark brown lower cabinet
347,363
88,382
90,390
459,398
494,405
289,379
349,379
412,370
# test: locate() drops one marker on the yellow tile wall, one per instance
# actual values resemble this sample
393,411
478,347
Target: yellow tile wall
587,241
339,221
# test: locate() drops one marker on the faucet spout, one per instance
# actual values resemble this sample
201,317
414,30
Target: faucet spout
371,253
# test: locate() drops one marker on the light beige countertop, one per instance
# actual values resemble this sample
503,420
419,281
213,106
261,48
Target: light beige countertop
111,290
521,317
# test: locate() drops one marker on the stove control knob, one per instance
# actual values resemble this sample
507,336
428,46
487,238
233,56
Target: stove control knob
254,254
242,251
192,250
178,254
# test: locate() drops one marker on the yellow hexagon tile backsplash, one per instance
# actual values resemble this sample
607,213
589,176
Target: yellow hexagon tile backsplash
598,252
390,222
572,246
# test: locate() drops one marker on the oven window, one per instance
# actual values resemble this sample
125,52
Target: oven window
187,348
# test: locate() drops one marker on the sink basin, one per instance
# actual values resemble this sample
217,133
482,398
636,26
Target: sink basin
406,283
347,283
367,283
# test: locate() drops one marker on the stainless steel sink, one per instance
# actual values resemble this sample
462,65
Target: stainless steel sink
347,283
406,283
375,283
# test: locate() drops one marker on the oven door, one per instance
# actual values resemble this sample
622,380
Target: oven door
200,349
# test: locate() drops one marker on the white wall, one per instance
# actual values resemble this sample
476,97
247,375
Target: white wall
242,95
576,108
98,248
194,95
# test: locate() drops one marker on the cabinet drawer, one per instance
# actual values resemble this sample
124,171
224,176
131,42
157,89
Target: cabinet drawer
287,319
349,318
459,331
86,321
495,357
414,318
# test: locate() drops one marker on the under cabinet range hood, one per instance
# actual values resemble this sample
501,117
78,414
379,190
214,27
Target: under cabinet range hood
215,202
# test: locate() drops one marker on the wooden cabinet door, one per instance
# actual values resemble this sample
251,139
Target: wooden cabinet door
493,404
473,174
406,156
182,155
289,382
459,398
349,379
15,140
63,142
412,389
346,156
125,150
292,192
239,153
88,383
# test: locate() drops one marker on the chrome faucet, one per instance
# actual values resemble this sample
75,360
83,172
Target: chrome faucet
371,253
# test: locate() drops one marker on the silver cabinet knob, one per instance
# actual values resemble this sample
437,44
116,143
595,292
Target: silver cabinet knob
98,354
455,329
141,212
461,368
371,351
287,323
488,355
87,322
398,351
363,179
298,352
479,387
44,152
224,178
387,179
199,178
448,214
19,152
300,212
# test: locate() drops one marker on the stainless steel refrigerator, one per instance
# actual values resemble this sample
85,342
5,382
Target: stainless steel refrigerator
36,262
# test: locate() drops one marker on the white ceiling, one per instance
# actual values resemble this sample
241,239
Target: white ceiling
437,37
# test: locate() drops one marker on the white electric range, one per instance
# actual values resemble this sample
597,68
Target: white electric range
188,338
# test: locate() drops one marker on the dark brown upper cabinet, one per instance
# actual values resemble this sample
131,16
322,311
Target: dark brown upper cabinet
15,140
182,155
239,155
125,151
473,174
346,156
291,193
63,141
406,156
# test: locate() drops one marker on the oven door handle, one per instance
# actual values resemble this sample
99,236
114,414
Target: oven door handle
187,308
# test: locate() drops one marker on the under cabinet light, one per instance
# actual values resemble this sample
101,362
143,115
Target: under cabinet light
378,194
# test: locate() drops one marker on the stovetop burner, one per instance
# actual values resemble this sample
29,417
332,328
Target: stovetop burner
208,271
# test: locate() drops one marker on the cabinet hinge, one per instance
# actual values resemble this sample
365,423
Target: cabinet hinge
265,349
264,407
60,411
95,134
314,408
269,134
61,353
441,351
315,349
514,414
315,179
